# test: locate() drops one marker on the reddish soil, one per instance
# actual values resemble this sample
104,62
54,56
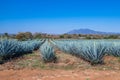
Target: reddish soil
68,68
27,74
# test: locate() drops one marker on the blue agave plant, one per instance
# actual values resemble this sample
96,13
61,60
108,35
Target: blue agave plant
24,47
47,52
7,48
92,51
37,43
10,47
114,49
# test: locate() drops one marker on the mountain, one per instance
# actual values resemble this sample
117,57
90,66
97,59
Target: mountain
89,31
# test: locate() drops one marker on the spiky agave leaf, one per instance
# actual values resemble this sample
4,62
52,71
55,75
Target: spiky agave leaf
24,47
36,43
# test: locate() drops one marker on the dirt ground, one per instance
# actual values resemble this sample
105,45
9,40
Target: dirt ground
27,74
30,67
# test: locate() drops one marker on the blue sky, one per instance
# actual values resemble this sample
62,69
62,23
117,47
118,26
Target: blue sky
59,16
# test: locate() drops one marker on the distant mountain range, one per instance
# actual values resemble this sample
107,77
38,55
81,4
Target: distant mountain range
89,31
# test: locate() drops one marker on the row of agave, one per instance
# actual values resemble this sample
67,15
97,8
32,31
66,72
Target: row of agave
10,48
90,50
113,48
47,52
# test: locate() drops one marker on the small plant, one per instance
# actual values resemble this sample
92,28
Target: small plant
87,79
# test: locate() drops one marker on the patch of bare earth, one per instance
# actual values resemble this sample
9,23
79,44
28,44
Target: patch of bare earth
27,74
31,67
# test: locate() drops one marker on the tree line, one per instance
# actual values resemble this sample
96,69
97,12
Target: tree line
29,36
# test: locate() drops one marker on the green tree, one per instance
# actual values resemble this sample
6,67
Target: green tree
20,36
61,36
28,35
37,35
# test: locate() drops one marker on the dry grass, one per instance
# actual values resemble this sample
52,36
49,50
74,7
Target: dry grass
65,61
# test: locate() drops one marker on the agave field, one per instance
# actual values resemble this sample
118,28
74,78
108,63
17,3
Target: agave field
92,51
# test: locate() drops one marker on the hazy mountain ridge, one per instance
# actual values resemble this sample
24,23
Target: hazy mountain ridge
88,31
